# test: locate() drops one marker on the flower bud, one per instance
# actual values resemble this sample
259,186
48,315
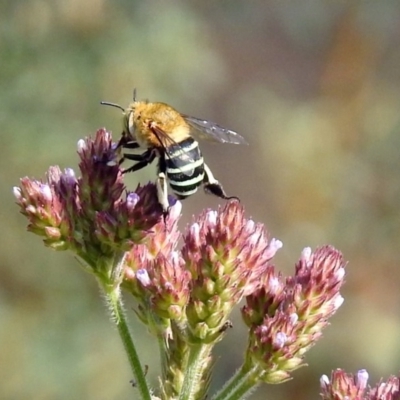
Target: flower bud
287,317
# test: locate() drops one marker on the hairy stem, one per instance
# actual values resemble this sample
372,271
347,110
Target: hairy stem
113,297
241,384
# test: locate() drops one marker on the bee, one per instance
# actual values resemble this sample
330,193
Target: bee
168,135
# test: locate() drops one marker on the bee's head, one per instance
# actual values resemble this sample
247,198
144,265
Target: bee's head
128,125
128,118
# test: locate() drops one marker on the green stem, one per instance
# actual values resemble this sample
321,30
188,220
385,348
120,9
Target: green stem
197,363
242,383
163,359
114,300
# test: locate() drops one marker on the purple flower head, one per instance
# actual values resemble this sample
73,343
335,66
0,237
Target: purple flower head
227,256
343,386
298,308
89,214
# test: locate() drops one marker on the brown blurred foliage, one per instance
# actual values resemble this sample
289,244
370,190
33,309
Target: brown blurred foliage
314,88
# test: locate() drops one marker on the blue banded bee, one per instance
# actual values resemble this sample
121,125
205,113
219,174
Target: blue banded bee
168,135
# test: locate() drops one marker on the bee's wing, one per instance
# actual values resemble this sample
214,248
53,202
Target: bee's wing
211,131
173,150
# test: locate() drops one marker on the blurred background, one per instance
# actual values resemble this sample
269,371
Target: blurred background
314,86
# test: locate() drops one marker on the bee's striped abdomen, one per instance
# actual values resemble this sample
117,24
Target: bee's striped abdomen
184,167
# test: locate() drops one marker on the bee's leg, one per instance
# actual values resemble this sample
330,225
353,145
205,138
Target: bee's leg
131,145
142,160
127,142
162,193
211,185
116,150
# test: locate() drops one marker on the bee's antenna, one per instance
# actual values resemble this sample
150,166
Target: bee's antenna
134,94
106,103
